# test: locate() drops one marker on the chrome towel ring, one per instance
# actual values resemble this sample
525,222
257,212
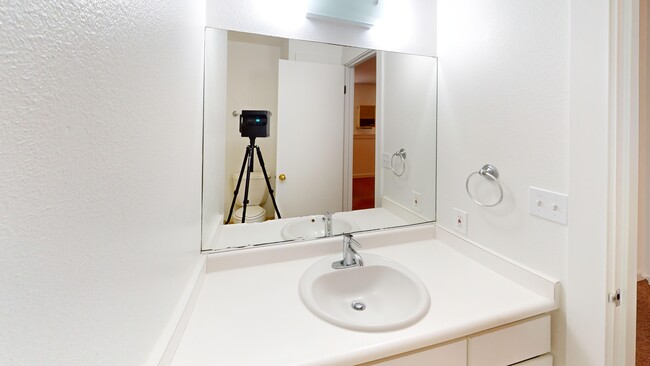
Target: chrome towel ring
491,173
402,155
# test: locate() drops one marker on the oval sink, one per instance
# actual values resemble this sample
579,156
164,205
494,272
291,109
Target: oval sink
380,296
311,227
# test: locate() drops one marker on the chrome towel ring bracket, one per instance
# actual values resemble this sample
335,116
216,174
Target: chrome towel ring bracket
490,172
401,154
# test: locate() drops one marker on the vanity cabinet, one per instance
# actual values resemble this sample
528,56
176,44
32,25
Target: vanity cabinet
524,343
449,354
509,344
545,360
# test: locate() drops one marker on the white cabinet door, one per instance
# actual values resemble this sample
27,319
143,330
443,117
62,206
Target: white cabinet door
511,343
545,360
507,345
310,138
450,354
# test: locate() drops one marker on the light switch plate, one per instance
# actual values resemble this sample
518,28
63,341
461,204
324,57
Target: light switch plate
385,160
547,204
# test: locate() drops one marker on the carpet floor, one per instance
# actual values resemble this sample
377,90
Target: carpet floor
363,193
643,324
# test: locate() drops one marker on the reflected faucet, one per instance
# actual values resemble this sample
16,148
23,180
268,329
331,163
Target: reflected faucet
351,258
327,219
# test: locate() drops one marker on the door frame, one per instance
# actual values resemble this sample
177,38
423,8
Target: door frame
603,128
623,160
348,134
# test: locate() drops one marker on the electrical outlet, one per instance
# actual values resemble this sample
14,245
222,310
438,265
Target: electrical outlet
385,160
460,221
416,201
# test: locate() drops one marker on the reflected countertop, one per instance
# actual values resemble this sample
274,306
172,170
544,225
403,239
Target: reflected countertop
270,231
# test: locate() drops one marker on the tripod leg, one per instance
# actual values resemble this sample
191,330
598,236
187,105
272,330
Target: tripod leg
266,177
241,173
251,164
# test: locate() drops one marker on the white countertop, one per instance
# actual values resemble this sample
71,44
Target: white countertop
253,315
236,235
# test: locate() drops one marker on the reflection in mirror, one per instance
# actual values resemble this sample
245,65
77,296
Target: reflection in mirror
352,133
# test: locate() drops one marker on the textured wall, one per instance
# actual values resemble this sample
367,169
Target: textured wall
214,137
503,79
100,161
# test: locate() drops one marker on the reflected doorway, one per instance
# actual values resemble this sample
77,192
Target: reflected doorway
364,137
643,233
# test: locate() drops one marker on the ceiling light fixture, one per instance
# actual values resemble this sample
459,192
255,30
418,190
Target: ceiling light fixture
360,13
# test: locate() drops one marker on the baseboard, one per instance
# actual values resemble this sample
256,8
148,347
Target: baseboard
642,276
173,333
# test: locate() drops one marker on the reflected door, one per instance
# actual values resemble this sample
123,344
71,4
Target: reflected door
310,138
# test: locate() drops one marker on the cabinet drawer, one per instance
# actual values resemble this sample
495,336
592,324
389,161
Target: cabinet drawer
449,354
545,360
511,343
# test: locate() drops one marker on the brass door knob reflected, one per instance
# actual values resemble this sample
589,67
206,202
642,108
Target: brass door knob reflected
282,177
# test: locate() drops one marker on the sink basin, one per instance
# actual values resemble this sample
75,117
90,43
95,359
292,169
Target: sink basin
311,227
380,296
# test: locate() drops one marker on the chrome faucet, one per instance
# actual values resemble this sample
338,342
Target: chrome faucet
351,258
327,219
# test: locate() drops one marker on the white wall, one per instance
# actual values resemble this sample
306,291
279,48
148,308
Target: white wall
503,79
503,99
407,26
315,52
100,154
406,111
364,94
215,117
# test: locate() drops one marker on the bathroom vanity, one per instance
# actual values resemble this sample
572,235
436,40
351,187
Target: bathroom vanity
484,310
524,343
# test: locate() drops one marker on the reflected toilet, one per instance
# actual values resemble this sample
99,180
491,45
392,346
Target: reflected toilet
257,192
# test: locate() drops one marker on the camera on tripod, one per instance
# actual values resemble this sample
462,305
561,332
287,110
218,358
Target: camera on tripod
252,124
255,124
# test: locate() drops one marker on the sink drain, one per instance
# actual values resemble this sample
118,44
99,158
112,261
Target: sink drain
358,305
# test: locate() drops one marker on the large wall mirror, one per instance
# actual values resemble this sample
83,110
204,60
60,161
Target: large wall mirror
352,133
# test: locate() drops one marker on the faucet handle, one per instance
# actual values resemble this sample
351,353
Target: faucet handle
347,237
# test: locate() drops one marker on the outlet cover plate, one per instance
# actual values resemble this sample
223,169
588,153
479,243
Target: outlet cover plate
548,205
416,201
460,221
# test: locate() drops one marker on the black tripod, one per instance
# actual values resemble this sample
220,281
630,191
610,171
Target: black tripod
249,156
